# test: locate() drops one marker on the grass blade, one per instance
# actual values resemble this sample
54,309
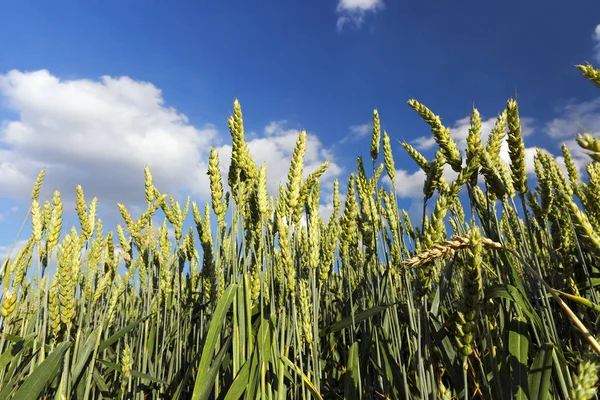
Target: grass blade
42,374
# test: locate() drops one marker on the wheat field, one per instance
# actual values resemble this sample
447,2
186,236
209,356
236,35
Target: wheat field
493,294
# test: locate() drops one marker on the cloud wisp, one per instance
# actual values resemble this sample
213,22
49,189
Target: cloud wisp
353,12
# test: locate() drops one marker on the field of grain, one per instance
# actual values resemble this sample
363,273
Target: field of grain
494,294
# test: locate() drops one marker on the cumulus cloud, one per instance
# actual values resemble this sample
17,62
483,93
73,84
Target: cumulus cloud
99,134
409,185
596,37
353,12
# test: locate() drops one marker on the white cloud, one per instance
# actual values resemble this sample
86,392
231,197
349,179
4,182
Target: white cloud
357,132
424,142
274,126
364,5
353,11
361,130
408,184
171,234
596,37
529,157
99,134
574,117
11,249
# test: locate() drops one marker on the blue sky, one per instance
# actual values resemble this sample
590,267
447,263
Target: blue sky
94,90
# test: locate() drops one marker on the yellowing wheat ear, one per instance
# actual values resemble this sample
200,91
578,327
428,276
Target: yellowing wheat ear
8,304
388,158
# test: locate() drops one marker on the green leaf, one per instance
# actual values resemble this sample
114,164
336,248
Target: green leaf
42,374
305,380
447,349
346,322
511,293
393,371
85,353
518,349
352,375
238,387
10,384
211,374
99,380
541,372
264,340
122,332
252,386
580,300
16,349
442,288
203,385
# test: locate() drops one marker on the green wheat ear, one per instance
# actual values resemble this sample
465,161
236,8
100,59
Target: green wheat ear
590,143
584,382
591,73
376,138
516,147
474,146
295,174
490,158
416,156
441,134
35,194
